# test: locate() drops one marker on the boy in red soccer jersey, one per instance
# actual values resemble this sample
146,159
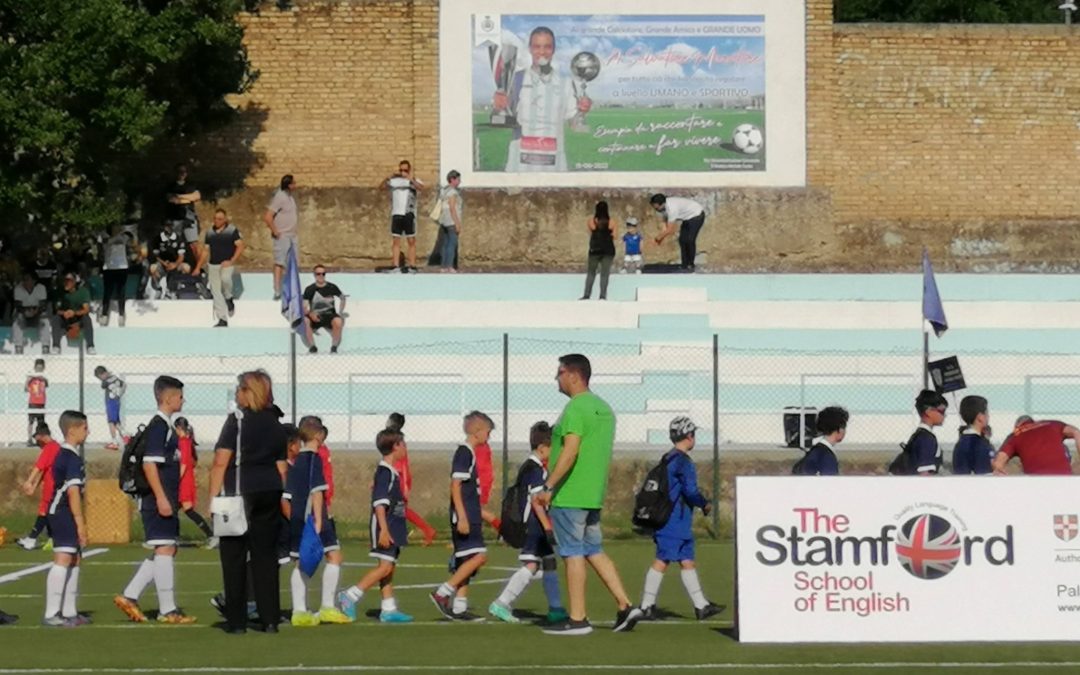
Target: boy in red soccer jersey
396,422
188,498
42,473
485,473
36,384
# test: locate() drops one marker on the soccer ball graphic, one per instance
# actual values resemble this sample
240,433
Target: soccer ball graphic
748,139
928,546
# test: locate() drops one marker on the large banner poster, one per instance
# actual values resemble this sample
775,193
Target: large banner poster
888,559
599,93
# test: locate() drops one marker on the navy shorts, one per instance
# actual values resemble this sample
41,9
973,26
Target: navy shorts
112,410
674,549
466,546
536,547
62,531
328,536
158,531
389,554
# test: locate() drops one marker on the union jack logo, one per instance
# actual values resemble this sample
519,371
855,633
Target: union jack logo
1066,527
928,546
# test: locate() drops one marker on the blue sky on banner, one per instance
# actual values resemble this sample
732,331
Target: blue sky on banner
699,55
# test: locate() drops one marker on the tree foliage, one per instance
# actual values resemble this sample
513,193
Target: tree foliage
89,89
948,11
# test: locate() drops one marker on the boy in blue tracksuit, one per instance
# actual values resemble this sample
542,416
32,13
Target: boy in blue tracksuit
675,540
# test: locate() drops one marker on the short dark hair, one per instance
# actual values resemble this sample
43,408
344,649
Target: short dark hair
832,419
286,181
99,371
476,415
310,427
928,399
542,30
42,429
292,434
386,439
222,212
539,434
70,419
163,384
578,363
405,162
971,407
320,266
396,421
1023,419
452,174
658,199
39,362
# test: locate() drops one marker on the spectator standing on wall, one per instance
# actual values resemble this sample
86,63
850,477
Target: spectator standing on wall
116,251
601,250
688,216
180,200
221,247
31,307
450,221
403,188
282,218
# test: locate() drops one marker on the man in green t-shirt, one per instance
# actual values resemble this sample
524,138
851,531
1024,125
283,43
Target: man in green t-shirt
581,445
73,309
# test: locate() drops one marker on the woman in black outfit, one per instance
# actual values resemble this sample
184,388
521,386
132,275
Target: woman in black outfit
601,250
262,475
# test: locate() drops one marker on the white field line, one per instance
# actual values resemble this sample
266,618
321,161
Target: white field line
15,576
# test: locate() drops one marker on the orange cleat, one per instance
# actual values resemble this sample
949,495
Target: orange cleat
130,608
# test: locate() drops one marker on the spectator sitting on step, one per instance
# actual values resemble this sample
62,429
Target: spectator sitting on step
31,310
72,315
168,255
320,310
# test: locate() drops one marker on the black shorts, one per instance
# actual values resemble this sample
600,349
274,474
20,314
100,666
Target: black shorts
403,226
325,321
37,418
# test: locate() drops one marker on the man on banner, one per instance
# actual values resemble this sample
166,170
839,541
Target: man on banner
1040,447
542,101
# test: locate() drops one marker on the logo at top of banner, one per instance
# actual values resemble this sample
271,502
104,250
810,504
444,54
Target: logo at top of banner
928,546
1066,527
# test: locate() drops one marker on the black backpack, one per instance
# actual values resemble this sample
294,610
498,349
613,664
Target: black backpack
798,468
903,464
652,503
513,527
131,477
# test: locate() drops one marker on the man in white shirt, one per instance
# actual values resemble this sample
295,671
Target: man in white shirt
403,188
31,301
690,214
542,101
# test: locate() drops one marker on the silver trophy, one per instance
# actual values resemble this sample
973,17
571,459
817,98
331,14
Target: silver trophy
585,66
503,60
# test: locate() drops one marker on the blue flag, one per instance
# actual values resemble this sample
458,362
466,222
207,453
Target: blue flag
292,301
932,310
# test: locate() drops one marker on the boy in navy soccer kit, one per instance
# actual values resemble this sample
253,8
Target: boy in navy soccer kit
159,510
67,526
973,453
675,540
538,553
466,523
820,459
306,482
924,453
388,531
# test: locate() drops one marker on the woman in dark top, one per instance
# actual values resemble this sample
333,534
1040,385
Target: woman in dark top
601,250
262,474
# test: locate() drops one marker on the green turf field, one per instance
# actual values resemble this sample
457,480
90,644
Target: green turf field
677,644
582,149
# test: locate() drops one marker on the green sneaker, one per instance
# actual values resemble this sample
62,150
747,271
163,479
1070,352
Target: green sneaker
333,615
304,619
557,616
502,612
48,546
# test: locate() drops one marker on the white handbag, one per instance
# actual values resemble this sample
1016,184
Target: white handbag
436,210
228,513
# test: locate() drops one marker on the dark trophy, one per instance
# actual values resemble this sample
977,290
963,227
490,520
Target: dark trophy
585,66
503,61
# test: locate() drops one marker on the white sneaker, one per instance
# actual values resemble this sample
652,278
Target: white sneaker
122,321
103,320
211,543
27,544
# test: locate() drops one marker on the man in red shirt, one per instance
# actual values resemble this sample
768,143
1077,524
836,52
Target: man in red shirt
42,473
1040,446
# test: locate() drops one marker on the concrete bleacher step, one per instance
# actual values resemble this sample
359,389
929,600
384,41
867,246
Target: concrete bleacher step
669,294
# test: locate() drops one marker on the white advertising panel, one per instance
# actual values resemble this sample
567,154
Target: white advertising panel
890,559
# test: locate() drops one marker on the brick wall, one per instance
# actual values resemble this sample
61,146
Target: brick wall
962,138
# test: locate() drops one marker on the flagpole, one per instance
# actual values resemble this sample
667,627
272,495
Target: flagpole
925,357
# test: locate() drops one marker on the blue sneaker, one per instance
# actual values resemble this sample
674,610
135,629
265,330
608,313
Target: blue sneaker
348,607
394,617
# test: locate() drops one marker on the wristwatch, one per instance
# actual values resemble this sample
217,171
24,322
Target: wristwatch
547,488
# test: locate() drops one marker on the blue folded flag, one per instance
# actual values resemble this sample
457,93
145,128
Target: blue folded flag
932,310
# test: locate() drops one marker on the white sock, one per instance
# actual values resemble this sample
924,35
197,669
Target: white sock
54,589
330,577
515,587
461,604
445,590
551,589
118,436
298,584
71,593
693,588
389,605
143,576
652,587
355,594
163,581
